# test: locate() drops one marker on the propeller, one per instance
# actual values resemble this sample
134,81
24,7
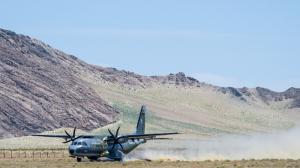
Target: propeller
71,137
115,139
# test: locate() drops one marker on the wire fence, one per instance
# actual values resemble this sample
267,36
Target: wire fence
13,154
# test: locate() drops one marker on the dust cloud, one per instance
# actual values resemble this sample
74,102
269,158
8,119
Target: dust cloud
280,145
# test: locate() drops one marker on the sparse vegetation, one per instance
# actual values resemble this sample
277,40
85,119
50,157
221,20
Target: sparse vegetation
201,106
158,124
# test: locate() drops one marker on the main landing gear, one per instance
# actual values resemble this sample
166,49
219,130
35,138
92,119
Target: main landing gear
93,158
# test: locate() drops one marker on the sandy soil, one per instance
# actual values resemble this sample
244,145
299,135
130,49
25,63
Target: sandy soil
66,163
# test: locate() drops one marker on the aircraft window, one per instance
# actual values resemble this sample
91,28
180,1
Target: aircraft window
75,143
84,144
79,143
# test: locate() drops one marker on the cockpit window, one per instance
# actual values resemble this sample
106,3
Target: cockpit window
74,143
84,144
79,143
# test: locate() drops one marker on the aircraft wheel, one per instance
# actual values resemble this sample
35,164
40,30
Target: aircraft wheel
93,158
79,159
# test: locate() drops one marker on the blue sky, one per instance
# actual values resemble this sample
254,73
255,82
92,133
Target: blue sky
227,43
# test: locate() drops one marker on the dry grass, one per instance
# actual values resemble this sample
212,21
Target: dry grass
33,154
127,123
199,113
202,106
66,163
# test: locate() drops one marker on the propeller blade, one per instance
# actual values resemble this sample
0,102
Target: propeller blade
121,146
117,133
114,139
68,141
113,147
72,139
68,134
76,138
111,133
74,132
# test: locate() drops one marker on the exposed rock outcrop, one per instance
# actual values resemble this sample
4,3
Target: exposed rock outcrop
40,89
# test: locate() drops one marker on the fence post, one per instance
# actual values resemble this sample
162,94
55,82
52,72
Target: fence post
11,153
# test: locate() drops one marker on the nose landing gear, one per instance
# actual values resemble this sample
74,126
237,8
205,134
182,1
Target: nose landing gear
79,159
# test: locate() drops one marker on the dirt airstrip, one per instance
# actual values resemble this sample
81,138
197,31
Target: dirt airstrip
66,163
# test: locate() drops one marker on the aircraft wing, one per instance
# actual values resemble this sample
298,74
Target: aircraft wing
65,136
154,136
52,136
148,136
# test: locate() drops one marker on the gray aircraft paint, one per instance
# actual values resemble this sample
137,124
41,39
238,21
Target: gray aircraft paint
112,146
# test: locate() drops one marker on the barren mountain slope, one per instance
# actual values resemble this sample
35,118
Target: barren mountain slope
176,97
44,89
40,89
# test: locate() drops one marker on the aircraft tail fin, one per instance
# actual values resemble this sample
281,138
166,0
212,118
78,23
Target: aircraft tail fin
140,126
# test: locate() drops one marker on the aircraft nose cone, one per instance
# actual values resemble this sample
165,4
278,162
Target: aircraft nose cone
71,151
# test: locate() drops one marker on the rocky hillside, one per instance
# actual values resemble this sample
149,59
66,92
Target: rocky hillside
267,96
40,89
196,107
134,81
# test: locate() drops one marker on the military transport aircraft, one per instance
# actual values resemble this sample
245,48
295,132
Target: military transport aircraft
113,146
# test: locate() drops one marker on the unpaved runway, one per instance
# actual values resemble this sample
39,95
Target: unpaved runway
68,163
